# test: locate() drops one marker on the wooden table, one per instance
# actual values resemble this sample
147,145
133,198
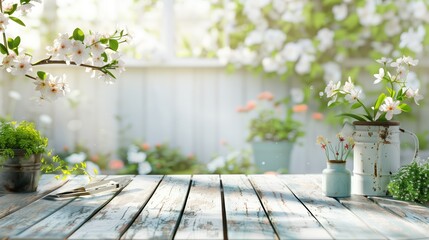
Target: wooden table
209,207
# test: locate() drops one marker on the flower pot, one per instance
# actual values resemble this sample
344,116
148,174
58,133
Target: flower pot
272,156
20,173
336,179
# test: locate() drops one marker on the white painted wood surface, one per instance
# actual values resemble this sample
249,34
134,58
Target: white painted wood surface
13,202
213,207
31,214
67,219
289,216
192,108
114,218
334,217
159,217
245,216
201,217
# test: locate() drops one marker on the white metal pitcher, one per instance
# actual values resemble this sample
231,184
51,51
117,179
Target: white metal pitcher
376,156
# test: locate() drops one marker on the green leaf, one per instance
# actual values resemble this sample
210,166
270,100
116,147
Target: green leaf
78,34
404,107
17,41
42,75
113,44
104,40
105,58
357,117
356,105
17,20
379,101
12,9
10,43
3,49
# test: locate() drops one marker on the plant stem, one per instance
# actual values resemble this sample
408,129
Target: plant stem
366,110
48,61
4,33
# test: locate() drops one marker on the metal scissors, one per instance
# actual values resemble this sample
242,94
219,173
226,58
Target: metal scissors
113,184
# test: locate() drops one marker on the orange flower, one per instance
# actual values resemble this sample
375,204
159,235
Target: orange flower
241,109
145,146
317,116
250,105
266,96
95,158
116,164
300,108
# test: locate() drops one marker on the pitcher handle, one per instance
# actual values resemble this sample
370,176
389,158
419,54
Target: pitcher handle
416,142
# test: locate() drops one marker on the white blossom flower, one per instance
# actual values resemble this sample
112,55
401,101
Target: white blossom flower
410,61
144,168
326,39
136,157
79,53
410,93
368,15
61,48
340,12
274,39
379,77
4,21
92,168
303,66
348,86
291,51
331,91
8,61
254,37
413,39
392,27
271,64
76,158
390,107
93,41
353,95
52,87
21,65
294,12
216,163
384,60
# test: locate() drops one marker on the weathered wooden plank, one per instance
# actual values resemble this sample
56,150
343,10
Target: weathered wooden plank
385,222
25,217
415,213
160,216
245,216
12,202
340,222
67,219
202,216
288,215
111,221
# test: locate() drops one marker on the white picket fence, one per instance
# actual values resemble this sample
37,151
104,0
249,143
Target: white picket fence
189,106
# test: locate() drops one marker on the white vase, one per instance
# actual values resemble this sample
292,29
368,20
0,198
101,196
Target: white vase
376,156
336,179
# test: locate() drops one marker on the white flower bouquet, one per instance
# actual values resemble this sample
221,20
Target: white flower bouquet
387,104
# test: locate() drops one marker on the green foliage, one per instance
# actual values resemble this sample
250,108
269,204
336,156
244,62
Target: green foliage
235,162
268,126
78,35
411,183
163,160
23,135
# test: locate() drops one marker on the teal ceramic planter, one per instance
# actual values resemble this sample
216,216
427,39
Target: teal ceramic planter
336,179
272,156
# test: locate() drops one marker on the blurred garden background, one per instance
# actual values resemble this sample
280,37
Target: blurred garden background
198,73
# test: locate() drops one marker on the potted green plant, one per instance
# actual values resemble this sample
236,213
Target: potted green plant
272,133
22,151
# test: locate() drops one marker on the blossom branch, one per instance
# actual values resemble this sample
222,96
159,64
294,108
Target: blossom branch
48,61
